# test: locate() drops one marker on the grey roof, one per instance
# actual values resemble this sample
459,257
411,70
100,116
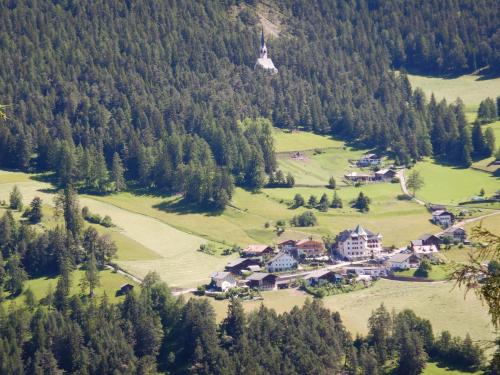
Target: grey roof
257,276
317,273
427,236
236,262
401,257
358,231
277,256
220,275
417,242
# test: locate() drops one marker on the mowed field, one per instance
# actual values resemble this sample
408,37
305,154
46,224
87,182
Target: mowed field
445,306
286,141
472,89
450,185
144,243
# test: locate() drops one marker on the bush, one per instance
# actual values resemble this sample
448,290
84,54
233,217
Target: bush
306,219
424,269
106,222
207,248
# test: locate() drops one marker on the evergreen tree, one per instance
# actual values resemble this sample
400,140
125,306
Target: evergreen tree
362,203
312,201
324,203
117,173
91,277
298,200
16,199
336,201
35,212
331,183
478,142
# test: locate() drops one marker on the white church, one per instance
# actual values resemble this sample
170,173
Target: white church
263,61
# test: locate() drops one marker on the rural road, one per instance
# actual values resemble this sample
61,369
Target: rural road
471,220
402,181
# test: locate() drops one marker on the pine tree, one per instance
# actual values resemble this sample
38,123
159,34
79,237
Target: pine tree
91,277
324,203
117,173
35,213
489,140
16,199
298,200
331,183
478,142
336,201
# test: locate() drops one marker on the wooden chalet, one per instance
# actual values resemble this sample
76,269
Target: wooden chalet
257,250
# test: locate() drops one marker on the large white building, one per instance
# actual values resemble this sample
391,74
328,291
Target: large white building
263,61
359,243
281,262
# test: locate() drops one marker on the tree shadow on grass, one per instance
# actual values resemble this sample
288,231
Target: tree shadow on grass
181,207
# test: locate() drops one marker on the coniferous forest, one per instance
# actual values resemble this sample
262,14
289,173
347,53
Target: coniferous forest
156,92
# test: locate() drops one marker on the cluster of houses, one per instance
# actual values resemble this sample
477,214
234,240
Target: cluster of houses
258,264
371,160
264,268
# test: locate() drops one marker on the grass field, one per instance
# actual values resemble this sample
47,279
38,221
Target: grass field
317,168
433,369
470,88
439,302
144,243
110,283
448,185
437,273
298,141
491,223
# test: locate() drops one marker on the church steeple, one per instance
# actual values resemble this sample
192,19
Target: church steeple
263,48
263,61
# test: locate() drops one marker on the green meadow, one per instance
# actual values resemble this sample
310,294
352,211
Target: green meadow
110,282
451,185
286,141
315,168
472,89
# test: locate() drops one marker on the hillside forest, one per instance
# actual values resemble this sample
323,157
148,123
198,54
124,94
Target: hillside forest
164,94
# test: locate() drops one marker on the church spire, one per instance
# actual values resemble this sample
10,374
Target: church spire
263,48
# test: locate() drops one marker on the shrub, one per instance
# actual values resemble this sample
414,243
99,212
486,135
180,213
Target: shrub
306,219
106,222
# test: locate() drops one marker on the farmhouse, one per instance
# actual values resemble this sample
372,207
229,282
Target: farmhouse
431,239
281,262
240,264
443,218
455,234
359,244
385,175
403,261
358,177
287,245
369,160
310,248
223,281
257,250
418,247
318,277
262,281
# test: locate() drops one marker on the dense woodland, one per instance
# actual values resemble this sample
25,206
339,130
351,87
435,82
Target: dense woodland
156,92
